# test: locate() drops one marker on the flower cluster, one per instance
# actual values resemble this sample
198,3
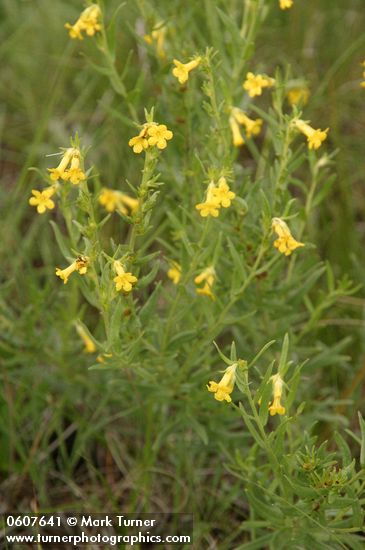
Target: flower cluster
69,169
223,389
113,199
285,242
254,84
251,127
181,70
152,134
217,196
88,22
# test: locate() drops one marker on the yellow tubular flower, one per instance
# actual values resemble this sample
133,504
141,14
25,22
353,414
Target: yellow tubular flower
90,347
252,127
159,135
42,199
103,357
285,242
87,22
109,198
157,36
314,137
123,281
140,142
223,389
276,406
254,84
236,134
181,70
211,205
285,4
74,174
207,276
298,95
80,264
113,200
60,171
222,193
174,273
131,202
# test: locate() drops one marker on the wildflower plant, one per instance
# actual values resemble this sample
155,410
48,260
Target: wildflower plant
196,286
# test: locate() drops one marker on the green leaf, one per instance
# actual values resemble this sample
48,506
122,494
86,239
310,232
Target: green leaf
261,352
61,241
224,358
147,279
150,305
344,449
283,366
115,324
362,449
233,352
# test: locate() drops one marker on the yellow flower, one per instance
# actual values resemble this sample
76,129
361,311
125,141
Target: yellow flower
123,281
208,208
207,276
211,205
131,202
236,134
87,22
285,4
80,264
174,273
42,199
74,174
181,70
285,242
252,127
255,83
158,135
223,389
90,347
114,200
140,142
157,36
314,137
110,199
276,406
222,193
103,356
60,171
299,94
